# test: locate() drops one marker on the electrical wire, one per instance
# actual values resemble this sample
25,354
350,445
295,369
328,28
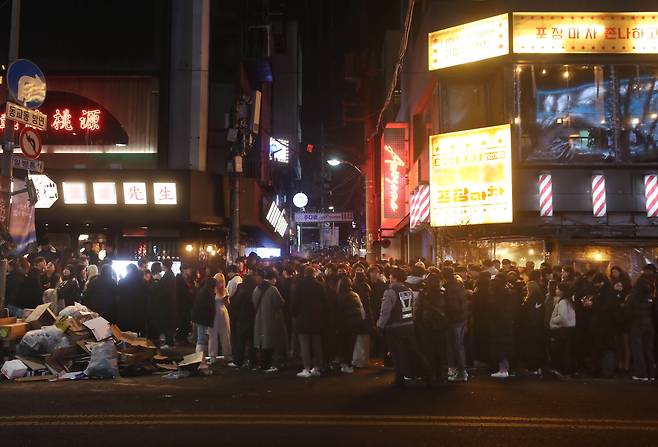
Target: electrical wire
397,69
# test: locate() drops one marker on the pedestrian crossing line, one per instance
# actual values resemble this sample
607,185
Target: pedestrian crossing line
223,419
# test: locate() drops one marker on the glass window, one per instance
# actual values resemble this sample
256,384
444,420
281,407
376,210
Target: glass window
587,113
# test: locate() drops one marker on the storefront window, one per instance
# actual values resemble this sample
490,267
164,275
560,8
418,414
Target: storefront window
587,113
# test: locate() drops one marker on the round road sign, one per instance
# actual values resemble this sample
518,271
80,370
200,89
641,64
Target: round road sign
30,143
26,83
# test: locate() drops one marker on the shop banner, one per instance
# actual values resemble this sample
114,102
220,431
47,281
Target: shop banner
302,218
394,170
21,225
585,32
471,177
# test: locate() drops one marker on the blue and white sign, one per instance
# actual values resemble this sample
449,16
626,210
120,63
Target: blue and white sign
26,83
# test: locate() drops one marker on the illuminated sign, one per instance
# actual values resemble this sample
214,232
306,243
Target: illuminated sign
651,194
419,206
279,150
471,177
277,218
75,193
585,32
394,169
470,42
105,193
134,193
164,194
599,203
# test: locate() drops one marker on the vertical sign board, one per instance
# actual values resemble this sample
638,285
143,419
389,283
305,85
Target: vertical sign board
394,170
471,177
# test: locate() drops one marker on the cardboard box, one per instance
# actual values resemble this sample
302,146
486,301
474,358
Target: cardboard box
13,369
41,316
7,320
13,332
100,327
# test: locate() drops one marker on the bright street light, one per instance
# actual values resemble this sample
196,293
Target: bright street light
333,162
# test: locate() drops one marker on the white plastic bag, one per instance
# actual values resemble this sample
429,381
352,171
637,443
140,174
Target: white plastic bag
42,341
104,363
361,355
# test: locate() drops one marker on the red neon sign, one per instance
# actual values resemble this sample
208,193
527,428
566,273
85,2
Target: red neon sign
90,119
3,119
62,120
395,150
392,178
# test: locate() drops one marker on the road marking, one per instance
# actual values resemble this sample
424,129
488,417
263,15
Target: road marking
222,419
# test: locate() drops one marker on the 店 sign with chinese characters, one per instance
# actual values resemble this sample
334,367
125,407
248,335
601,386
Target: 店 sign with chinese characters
107,193
471,177
585,32
470,42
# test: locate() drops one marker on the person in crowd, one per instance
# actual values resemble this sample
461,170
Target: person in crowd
203,313
52,277
309,309
350,316
269,325
46,251
91,253
501,333
185,293
361,356
396,319
603,310
433,325
156,308
91,275
15,277
132,296
621,286
220,331
285,286
457,312
68,291
480,325
377,286
101,295
242,321
562,326
169,303
533,343
31,290
234,280
640,310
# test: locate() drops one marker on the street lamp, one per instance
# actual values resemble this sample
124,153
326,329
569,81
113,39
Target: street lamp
335,162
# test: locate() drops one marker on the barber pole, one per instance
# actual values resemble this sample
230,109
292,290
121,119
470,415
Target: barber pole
545,195
651,194
598,195
419,211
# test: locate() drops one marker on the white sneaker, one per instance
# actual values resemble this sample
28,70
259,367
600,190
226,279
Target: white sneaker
640,379
232,365
305,374
272,369
500,375
316,372
459,378
346,369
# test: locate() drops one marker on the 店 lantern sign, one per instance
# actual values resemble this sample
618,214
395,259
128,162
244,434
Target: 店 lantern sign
394,169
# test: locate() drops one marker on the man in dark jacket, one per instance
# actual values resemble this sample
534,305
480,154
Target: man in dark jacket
377,289
242,323
457,311
101,294
30,294
169,304
131,304
309,308
185,292
396,319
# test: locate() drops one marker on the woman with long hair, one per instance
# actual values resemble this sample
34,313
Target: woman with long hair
563,326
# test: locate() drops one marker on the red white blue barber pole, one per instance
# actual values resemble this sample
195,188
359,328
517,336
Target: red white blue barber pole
599,205
651,194
545,195
419,211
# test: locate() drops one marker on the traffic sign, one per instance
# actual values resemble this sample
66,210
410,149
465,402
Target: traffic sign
20,162
30,143
26,83
46,191
33,118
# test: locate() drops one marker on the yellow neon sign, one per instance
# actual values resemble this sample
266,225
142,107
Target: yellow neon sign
471,177
470,42
585,32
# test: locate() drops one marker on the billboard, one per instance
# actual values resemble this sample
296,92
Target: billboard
585,32
471,177
394,170
474,41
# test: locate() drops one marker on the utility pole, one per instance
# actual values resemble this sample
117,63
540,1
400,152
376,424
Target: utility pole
8,144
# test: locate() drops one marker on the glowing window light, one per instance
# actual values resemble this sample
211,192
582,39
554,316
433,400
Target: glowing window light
164,193
105,193
75,193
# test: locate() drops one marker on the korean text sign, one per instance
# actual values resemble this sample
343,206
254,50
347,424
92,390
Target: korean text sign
471,177
585,32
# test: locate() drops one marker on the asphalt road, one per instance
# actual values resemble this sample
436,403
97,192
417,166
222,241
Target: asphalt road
361,410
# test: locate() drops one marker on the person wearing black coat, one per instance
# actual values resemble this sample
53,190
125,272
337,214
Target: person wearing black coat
15,279
68,291
531,324
131,301
30,294
243,314
501,314
349,320
604,316
101,295
640,311
185,293
309,309
203,312
480,302
433,325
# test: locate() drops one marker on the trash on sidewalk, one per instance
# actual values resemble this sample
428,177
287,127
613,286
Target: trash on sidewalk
41,316
13,369
99,327
104,363
13,331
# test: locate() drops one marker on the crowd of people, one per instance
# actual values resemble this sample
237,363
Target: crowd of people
433,322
